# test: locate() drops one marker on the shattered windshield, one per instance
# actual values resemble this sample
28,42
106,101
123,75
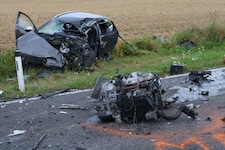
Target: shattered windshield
51,27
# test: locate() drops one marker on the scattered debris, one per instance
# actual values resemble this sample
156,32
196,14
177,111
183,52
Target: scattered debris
80,148
167,103
199,75
39,141
187,44
128,129
219,107
176,69
190,106
28,122
197,85
223,119
72,106
43,73
152,140
17,132
3,106
206,93
97,87
197,106
162,39
93,120
63,112
47,95
208,119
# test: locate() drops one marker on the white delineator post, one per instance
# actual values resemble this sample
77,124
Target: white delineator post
19,70
224,58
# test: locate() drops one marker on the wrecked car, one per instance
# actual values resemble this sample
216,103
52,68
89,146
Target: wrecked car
75,38
132,98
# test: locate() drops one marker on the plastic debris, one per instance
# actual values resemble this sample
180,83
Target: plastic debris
72,106
206,93
17,132
176,69
63,112
197,106
162,39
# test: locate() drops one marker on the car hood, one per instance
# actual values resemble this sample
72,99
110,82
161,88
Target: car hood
33,45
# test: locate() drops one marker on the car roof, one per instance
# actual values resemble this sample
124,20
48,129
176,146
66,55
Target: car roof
76,17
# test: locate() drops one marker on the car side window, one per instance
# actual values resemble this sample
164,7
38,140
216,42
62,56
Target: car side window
106,27
51,27
24,22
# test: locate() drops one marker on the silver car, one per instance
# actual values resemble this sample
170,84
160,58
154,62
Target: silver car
74,38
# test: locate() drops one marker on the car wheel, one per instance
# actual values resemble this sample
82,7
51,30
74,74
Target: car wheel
64,48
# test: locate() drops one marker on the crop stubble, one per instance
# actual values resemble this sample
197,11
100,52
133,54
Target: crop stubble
133,18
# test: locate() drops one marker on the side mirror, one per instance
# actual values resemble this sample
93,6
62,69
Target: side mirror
29,28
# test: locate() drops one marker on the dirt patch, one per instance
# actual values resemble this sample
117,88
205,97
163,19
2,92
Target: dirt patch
133,18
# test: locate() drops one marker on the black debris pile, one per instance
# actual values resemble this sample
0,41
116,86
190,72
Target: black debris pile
197,76
176,69
187,44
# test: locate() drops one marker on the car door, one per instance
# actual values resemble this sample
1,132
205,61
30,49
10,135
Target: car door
23,24
108,38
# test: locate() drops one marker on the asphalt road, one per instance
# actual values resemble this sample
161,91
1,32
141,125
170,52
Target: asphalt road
43,125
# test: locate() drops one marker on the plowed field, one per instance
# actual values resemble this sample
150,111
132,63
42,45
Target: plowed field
133,18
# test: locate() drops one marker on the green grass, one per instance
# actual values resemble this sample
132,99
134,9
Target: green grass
146,55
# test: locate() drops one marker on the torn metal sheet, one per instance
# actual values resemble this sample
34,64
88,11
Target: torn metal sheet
97,87
72,106
17,132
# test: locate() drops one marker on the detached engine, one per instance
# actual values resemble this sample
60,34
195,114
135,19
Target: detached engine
133,98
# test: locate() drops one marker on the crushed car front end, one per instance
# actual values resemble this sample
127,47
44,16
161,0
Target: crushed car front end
40,51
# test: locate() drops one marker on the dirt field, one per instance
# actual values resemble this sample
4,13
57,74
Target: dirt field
133,18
